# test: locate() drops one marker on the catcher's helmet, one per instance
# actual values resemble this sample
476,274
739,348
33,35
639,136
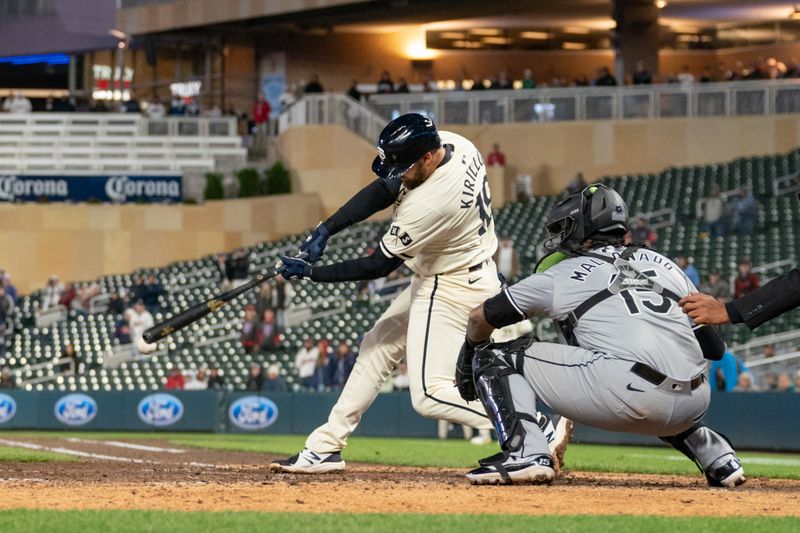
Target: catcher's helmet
596,213
402,142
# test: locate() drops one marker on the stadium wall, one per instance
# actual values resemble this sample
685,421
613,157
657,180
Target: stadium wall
84,241
335,162
758,422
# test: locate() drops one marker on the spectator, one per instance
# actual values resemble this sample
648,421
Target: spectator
261,111
402,86
507,259
99,106
341,364
197,381
17,103
503,82
74,362
151,292
255,380
477,85
724,374
685,77
215,380
155,109
11,290
713,212
175,381
130,106
768,351
401,381
581,81
249,334
122,331
784,383
276,295
745,384
744,211
385,83
707,76
176,106
643,233
321,378
67,296
214,112
642,76
193,107
82,302
268,330
528,81
7,380
496,157
237,267
716,287
689,270
746,281
140,321
6,307
604,78
577,184
313,85
52,293
305,363
353,91
274,382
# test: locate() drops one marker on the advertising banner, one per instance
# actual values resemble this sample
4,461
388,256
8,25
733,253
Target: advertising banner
111,189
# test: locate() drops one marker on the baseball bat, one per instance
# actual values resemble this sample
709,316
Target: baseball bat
196,312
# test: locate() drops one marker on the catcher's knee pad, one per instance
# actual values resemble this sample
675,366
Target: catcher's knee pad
492,364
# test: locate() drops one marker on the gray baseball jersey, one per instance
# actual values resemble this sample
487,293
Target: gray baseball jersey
640,326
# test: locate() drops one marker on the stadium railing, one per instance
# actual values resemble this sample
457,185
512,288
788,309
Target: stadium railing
744,98
332,108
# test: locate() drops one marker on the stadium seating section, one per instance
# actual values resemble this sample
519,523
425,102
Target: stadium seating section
214,341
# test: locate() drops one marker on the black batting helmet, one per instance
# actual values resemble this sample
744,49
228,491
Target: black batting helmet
596,213
402,142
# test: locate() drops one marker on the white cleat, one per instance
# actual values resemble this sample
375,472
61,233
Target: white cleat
309,462
500,470
557,430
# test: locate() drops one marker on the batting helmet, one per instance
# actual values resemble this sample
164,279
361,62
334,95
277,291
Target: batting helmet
596,213
402,142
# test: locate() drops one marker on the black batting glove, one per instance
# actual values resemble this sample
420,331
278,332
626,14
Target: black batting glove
294,268
313,246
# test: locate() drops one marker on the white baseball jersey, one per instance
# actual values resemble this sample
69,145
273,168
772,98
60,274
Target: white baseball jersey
445,224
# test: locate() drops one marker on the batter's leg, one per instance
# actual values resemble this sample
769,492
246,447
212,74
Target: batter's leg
381,350
436,329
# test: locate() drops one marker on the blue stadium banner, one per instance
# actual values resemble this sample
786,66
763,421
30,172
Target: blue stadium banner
112,188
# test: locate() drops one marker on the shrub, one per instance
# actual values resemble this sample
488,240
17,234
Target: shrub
214,190
278,179
248,182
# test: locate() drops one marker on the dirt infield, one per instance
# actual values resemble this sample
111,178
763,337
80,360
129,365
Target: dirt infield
152,474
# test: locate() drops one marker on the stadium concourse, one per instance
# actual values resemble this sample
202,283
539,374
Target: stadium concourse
344,312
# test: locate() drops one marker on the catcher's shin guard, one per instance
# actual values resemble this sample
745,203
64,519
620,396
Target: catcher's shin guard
711,452
492,365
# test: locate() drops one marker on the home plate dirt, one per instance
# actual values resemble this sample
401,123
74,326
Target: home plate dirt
152,474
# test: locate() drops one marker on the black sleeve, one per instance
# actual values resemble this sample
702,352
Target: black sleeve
373,266
375,197
711,342
780,295
500,311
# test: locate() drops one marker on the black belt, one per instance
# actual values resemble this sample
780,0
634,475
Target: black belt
657,378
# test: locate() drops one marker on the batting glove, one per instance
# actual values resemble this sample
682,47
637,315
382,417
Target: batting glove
294,268
312,248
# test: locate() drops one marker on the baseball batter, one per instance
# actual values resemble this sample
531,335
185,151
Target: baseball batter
631,362
443,231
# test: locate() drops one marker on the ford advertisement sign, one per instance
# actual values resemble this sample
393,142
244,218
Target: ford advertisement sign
253,412
75,409
8,408
116,189
160,409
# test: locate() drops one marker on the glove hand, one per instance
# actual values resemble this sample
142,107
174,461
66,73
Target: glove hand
464,378
294,268
312,248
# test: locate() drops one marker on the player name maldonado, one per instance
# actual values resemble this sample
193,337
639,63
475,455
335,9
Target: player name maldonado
584,269
468,192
